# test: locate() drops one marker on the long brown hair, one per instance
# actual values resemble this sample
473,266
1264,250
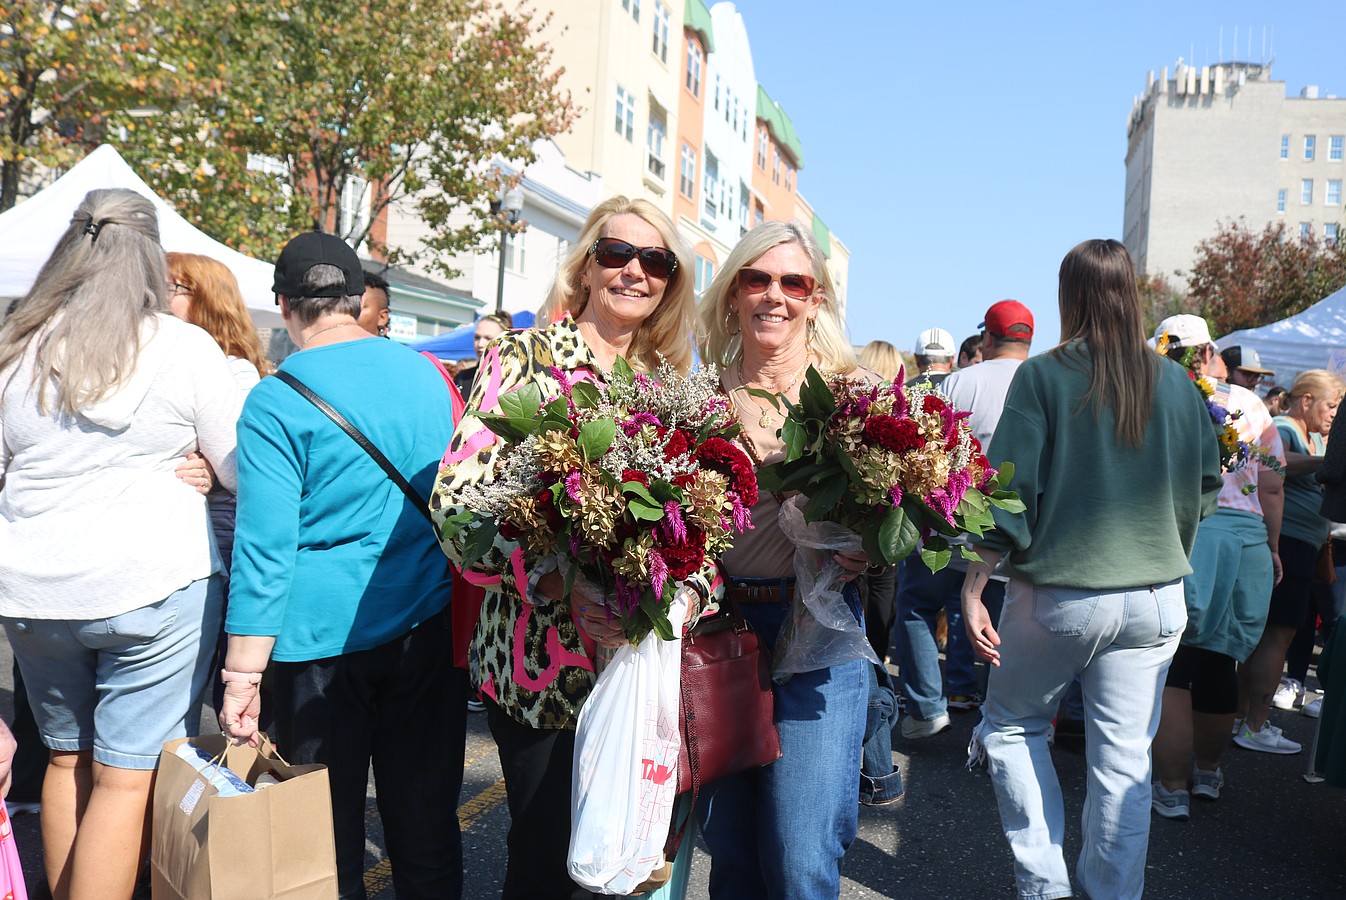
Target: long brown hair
217,306
1101,307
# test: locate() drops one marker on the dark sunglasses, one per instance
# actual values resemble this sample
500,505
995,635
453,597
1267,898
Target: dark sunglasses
755,281
611,253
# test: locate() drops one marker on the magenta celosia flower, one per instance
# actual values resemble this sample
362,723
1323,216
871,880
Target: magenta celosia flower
573,483
676,527
742,516
658,572
633,424
895,494
563,378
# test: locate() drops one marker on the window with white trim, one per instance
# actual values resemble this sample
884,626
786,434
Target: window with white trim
514,253
761,147
1306,190
1305,231
1334,146
705,273
1285,146
687,176
1330,234
711,187
1310,144
1280,200
354,214
695,62
654,143
660,30
626,114
633,7
1333,195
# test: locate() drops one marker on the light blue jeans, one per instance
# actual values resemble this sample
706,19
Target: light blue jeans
780,831
1120,644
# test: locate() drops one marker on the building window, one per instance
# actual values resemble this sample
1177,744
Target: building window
1280,200
633,7
733,123
695,60
705,272
1285,146
775,165
761,147
1305,231
758,214
660,31
354,218
744,205
626,113
1310,142
717,90
1306,190
1330,234
789,177
1334,144
726,201
654,143
687,179
1333,197
514,253
710,192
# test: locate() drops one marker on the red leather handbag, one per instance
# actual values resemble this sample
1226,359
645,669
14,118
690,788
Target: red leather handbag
726,703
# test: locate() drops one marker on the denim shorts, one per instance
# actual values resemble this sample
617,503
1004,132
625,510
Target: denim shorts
122,685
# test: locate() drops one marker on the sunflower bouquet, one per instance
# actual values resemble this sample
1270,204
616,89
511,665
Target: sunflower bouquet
633,485
1235,453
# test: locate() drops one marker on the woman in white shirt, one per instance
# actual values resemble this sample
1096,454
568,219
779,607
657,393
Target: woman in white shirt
109,591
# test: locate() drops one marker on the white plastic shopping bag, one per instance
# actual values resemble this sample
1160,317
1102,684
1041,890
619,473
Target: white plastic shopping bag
626,764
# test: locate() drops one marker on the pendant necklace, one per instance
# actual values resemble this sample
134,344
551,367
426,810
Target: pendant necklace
765,420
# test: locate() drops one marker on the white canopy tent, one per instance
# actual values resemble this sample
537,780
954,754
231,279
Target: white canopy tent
30,230
1312,339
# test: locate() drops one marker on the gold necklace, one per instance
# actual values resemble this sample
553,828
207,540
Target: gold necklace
765,420
321,330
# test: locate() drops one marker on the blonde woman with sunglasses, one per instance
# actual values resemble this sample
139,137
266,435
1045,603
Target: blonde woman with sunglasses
782,830
625,290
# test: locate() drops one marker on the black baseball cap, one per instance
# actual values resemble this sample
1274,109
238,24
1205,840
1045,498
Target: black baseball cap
314,248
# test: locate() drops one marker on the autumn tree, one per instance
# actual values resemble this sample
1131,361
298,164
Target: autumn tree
1159,299
293,102
63,68
1243,279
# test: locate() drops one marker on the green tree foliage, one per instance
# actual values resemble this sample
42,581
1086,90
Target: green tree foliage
1243,279
285,103
1159,299
63,66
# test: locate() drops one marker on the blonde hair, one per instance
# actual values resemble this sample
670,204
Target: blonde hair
85,310
1317,383
667,333
828,342
881,358
1100,306
217,306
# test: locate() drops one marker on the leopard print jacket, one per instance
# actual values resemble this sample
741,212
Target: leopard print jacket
527,653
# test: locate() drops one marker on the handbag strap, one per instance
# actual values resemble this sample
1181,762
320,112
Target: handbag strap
365,443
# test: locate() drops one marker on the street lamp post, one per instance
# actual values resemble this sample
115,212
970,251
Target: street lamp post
507,208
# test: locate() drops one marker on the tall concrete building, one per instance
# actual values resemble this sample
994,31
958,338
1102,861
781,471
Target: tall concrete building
1214,144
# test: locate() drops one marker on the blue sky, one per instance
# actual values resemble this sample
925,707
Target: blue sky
996,131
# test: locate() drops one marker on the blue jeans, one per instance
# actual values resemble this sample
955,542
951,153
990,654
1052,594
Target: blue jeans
781,831
921,595
880,781
1120,643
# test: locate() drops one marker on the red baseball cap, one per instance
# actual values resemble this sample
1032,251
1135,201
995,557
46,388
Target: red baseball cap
1008,318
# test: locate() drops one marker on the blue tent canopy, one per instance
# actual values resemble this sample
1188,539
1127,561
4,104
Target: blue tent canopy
457,344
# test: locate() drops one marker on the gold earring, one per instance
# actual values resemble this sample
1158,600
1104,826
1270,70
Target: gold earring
732,316
810,330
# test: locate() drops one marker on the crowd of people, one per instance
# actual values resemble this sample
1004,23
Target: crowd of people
252,557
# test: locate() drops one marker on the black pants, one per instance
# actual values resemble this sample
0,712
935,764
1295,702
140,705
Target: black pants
402,706
537,765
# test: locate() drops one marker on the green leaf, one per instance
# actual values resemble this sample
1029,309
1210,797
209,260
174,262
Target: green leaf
795,436
847,465
522,405
823,497
622,371
585,395
596,437
645,512
773,399
870,539
898,536
636,489
926,515
1003,476
935,559
479,541
770,478
969,554
1008,501
816,396
505,428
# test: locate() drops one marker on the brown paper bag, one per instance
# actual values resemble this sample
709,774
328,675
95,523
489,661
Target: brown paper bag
276,842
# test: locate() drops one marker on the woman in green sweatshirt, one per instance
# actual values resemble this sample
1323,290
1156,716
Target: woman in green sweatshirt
1116,462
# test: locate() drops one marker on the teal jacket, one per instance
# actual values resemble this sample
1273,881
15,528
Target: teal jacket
1101,514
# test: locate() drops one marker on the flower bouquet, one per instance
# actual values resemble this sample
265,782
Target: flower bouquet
1235,453
881,468
633,485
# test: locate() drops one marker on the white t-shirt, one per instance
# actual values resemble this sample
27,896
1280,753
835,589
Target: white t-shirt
982,389
93,522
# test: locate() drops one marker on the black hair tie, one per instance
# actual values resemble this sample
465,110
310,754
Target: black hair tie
92,230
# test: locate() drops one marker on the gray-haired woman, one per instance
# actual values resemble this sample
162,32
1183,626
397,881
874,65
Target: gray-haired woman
109,591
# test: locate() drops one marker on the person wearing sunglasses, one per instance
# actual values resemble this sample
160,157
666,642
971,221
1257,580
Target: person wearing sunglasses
622,291
782,830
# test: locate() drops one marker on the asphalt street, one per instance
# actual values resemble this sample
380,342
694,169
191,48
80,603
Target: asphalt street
1271,834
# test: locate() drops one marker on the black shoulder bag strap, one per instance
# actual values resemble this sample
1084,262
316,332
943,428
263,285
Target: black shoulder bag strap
356,435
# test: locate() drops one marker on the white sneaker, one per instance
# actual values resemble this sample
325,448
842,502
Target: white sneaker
1267,740
1289,694
1314,708
914,728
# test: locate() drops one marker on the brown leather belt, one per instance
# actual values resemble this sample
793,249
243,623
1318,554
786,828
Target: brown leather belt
760,590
